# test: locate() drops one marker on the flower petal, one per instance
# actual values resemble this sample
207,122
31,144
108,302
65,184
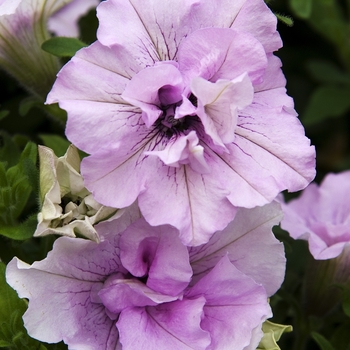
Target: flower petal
193,202
174,325
250,231
144,90
245,306
218,105
118,294
220,53
183,150
158,253
263,27
321,216
59,291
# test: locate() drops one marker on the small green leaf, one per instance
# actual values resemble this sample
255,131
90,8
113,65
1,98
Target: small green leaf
62,47
57,143
302,8
285,19
322,342
327,101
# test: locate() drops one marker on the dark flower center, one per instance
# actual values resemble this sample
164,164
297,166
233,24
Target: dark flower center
169,126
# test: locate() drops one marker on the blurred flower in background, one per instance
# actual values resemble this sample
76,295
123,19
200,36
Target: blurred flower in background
24,26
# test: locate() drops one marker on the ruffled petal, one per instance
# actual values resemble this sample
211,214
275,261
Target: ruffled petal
219,53
61,306
158,253
183,150
250,231
231,297
174,325
218,105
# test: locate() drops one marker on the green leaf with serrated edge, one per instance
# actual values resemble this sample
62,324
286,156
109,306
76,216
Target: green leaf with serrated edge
327,72
322,342
57,143
327,101
20,231
62,47
302,8
285,19
12,331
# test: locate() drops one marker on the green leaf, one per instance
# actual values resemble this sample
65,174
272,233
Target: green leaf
302,8
21,231
327,72
322,342
285,19
327,101
12,332
57,143
62,47
18,183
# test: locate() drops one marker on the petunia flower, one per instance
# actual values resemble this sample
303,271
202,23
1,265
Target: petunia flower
67,206
24,27
141,288
183,107
321,215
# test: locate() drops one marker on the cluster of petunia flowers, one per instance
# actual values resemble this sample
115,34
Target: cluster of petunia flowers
182,108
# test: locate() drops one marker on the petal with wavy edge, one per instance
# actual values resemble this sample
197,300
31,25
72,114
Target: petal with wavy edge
242,299
144,90
174,325
263,27
192,202
321,216
131,22
220,53
183,150
118,294
218,105
250,231
59,292
158,253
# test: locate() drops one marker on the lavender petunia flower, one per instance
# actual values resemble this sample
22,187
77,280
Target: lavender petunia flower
182,106
321,215
136,289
